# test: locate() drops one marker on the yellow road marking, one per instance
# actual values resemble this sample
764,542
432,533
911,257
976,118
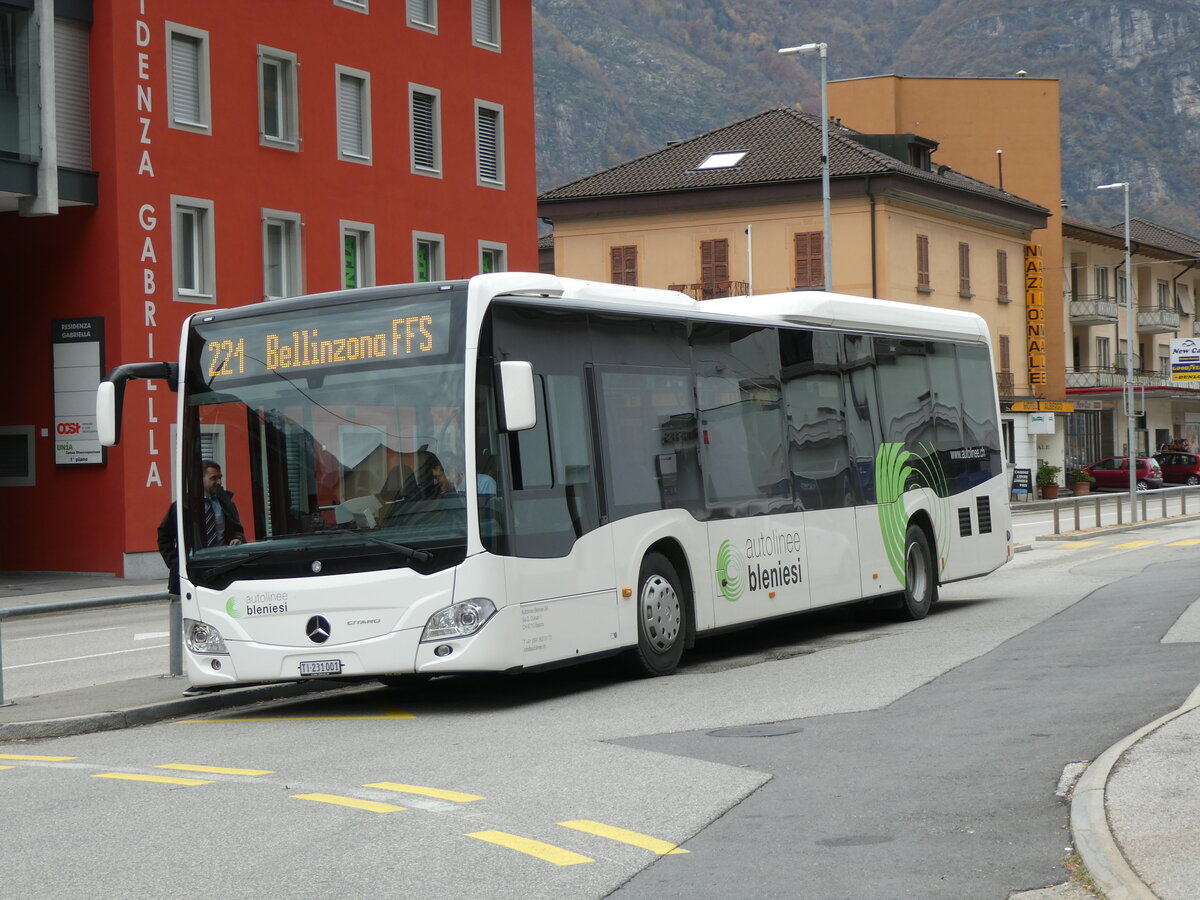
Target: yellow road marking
352,802
1075,545
399,714
38,758
7,767
214,770
453,796
1129,545
160,779
1190,542
625,836
547,852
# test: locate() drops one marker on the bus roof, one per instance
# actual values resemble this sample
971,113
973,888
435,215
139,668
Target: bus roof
815,308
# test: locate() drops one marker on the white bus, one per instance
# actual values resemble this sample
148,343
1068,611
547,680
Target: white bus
521,471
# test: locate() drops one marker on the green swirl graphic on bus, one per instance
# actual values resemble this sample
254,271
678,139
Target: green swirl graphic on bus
231,607
897,469
731,570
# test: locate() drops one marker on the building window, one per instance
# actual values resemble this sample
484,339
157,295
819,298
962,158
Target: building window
277,100
624,265
714,262
423,14
1122,290
354,115
426,128
281,254
485,23
1102,290
489,144
428,262
923,263
192,249
17,459
1005,353
188,97
1164,361
1103,353
1163,293
358,255
356,5
492,258
1002,276
810,259
964,270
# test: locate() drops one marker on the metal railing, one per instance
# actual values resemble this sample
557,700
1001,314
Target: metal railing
175,616
1097,509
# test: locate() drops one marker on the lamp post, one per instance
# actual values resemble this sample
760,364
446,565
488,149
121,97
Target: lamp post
827,249
1129,331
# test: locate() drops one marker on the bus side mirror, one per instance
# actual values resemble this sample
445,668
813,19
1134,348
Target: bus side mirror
106,413
518,400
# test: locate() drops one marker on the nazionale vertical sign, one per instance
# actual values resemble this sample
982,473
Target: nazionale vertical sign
1035,314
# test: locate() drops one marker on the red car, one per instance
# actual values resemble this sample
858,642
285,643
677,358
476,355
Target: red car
1179,467
1112,474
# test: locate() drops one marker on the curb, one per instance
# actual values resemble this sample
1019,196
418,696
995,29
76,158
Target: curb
1084,533
111,720
1093,837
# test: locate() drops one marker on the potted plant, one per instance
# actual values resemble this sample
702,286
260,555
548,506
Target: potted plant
1047,479
1082,481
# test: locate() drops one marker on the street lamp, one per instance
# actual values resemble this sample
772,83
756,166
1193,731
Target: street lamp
1129,331
827,250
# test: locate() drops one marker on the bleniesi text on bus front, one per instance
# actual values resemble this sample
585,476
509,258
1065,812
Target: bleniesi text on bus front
248,347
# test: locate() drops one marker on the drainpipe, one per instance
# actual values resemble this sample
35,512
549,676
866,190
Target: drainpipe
874,273
45,202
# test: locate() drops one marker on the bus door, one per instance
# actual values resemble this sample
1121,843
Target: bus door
559,562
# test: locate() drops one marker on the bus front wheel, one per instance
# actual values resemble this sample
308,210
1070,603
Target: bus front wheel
661,617
920,575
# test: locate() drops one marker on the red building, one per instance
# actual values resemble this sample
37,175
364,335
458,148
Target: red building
158,157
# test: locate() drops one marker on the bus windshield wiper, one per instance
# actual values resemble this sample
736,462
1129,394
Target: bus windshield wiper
222,568
407,552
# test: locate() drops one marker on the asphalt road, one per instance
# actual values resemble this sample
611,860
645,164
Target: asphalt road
836,755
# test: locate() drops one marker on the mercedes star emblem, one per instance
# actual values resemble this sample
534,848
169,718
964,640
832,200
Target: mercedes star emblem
317,629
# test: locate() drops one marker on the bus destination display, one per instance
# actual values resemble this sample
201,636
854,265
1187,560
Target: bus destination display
323,341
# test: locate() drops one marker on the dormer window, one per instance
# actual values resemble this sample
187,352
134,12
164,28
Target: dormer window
723,160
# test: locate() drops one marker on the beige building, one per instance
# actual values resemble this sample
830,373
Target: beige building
738,210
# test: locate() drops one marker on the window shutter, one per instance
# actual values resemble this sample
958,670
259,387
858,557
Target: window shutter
1002,274
483,19
964,268
423,133
1005,354
922,261
623,265
714,261
350,115
421,11
72,98
185,78
810,259
487,132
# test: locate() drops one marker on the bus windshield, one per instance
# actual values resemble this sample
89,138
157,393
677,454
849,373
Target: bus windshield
325,440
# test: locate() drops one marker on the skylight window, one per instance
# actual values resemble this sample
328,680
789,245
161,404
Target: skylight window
723,160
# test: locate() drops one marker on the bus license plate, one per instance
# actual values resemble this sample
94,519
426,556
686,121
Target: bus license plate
321,667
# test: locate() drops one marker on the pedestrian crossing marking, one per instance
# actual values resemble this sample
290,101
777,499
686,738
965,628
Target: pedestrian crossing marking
625,836
1190,542
35,758
159,779
530,847
352,802
437,793
1132,545
214,770
1077,545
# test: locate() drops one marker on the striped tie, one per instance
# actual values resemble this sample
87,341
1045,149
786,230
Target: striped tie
212,533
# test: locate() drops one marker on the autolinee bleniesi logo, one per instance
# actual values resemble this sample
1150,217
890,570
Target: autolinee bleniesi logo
264,604
731,570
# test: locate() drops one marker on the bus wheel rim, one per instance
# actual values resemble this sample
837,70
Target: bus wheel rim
915,572
660,613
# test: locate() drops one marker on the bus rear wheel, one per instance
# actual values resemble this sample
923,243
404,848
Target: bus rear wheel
920,575
661,617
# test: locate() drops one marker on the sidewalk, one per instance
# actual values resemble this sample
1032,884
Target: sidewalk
1135,812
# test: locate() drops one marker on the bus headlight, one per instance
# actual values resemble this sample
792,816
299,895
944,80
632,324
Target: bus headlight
202,638
460,620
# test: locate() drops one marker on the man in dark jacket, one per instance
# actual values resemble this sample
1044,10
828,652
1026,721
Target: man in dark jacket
222,524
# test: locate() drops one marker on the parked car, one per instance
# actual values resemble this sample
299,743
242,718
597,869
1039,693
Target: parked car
1179,467
1112,474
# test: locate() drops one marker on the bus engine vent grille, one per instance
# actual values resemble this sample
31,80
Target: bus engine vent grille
984,506
964,521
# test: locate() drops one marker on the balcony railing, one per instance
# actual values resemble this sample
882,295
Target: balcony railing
712,290
1113,377
1093,310
1006,386
1158,320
